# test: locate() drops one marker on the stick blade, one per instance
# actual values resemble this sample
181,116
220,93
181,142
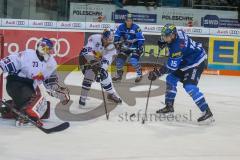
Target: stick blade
58,128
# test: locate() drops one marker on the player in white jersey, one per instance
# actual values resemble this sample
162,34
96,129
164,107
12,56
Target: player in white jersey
26,71
94,60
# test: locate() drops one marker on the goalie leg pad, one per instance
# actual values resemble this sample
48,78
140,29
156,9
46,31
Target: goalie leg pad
37,106
47,113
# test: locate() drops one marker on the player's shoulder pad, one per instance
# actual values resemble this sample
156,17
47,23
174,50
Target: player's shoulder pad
94,37
122,26
136,28
182,39
26,53
52,63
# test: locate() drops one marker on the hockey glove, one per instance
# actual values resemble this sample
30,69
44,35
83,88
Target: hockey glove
161,44
153,75
60,92
103,74
95,66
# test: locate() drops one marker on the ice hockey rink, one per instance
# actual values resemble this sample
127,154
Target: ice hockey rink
120,138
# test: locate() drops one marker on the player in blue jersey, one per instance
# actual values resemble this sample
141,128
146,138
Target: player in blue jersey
185,63
129,41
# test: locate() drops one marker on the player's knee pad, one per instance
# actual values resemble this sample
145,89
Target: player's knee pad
136,56
171,89
191,89
107,85
134,61
120,63
86,84
89,77
172,80
197,96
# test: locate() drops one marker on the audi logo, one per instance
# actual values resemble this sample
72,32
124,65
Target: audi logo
76,24
234,32
197,30
48,23
57,45
20,22
105,26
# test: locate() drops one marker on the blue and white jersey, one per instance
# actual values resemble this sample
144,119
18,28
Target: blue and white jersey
130,34
184,53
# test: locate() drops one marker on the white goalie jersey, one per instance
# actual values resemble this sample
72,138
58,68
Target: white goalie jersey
26,64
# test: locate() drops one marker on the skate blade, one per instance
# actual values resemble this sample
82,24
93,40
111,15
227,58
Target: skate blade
166,114
113,102
208,121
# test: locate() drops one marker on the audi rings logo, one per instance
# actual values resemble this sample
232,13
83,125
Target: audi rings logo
235,32
20,23
48,23
61,46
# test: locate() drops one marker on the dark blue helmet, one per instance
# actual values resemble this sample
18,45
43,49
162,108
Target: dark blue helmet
169,29
108,34
129,16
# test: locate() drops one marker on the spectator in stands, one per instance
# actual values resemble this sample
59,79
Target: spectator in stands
121,3
130,2
118,3
155,3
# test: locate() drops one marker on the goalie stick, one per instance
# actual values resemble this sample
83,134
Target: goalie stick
57,128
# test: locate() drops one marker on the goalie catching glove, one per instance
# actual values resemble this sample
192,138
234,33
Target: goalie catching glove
57,91
61,93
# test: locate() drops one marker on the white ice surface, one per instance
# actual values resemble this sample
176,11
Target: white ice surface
100,139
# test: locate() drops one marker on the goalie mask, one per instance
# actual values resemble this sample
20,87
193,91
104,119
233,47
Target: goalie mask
45,48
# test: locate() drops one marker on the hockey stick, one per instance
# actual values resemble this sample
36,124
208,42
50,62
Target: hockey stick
104,102
57,128
149,91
